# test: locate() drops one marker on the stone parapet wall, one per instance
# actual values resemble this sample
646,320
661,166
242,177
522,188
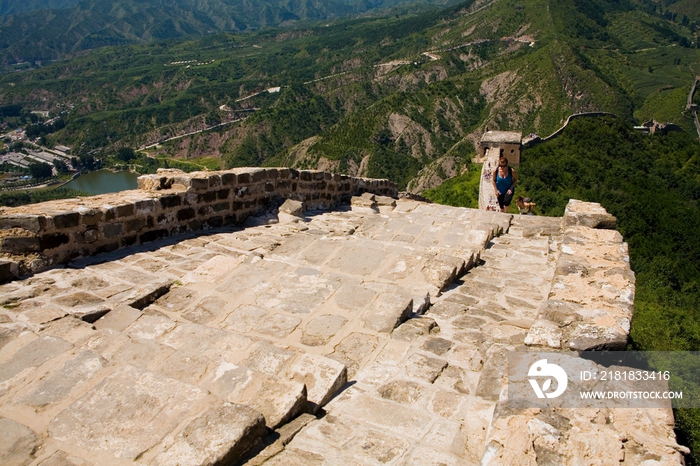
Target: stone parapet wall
590,303
171,202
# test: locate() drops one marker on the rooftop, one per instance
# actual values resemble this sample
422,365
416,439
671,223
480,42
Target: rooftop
502,137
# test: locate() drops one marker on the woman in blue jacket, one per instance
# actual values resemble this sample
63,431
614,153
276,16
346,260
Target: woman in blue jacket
504,179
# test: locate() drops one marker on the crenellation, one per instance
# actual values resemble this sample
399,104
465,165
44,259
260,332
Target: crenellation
168,203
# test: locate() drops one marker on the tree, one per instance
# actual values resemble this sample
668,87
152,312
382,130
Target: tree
40,170
61,166
126,154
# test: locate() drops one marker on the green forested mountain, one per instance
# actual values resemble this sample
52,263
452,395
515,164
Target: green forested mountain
40,31
404,96
8,7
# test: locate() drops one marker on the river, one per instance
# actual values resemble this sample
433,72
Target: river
104,181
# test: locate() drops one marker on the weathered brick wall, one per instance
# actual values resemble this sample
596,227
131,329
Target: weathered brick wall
171,202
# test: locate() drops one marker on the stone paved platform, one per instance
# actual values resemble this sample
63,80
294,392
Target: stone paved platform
389,324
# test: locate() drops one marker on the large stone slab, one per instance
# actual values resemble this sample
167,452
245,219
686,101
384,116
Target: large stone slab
391,308
59,385
219,436
27,358
127,413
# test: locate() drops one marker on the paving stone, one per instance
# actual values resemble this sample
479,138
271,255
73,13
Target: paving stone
455,378
147,354
185,365
219,436
27,358
393,417
323,378
508,334
214,269
354,297
61,458
206,310
480,312
57,386
493,374
401,391
267,358
424,367
244,318
445,403
78,300
442,270
353,349
278,400
278,325
150,325
41,315
468,356
446,309
145,406
375,447
430,457
401,267
18,443
415,328
321,329
388,311
296,457
469,322
298,295
358,259
177,299
455,297
321,250
447,435
437,345
118,319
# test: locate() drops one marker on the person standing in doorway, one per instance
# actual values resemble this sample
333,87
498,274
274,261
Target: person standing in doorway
504,180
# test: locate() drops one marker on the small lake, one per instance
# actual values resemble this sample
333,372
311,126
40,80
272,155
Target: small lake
104,181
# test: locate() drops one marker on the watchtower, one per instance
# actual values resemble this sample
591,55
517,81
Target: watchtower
509,141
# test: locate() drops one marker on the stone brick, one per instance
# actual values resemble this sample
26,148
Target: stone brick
228,179
168,202
153,235
33,223
145,206
53,241
21,244
112,230
126,210
199,184
8,270
90,216
135,224
68,220
209,196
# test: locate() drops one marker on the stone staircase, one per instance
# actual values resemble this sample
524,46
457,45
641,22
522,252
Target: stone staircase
375,334
428,397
